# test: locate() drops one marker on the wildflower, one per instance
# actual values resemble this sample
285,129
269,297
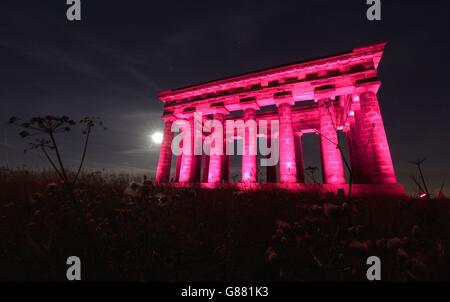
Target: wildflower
358,246
415,232
394,243
330,209
381,243
402,254
271,254
282,224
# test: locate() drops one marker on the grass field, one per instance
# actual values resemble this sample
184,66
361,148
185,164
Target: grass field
141,233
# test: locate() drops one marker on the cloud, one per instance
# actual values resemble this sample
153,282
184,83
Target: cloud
141,115
136,151
120,168
133,72
55,57
132,65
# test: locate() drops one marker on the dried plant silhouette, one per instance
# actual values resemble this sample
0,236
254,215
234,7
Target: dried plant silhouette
441,194
421,183
42,134
311,173
422,186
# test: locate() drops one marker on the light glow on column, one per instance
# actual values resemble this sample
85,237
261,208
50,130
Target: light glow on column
165,154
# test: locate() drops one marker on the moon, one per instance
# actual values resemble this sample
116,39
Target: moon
157,137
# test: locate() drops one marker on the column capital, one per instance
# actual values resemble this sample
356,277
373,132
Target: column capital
185,112
216,107
249,103
298,134
363,87
219,110
284,97
322,99
168,117
324,92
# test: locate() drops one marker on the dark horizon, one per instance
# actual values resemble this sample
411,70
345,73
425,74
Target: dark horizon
114,62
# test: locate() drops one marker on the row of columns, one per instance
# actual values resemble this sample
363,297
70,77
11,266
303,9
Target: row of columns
368,149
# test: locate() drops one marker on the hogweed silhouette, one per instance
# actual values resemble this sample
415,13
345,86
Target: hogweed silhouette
42,132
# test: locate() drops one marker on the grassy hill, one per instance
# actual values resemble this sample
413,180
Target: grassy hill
146,233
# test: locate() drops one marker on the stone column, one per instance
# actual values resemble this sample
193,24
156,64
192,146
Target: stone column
373,147
353,154
165,154
249,163
288,165
178,163
198,168
271,171
188,162
332,166
216,161
205,172
206,158
299,158
177,168
226,169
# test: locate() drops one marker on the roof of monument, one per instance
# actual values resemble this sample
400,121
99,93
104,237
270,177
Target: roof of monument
374,51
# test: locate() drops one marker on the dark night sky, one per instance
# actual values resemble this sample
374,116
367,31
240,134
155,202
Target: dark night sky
114,61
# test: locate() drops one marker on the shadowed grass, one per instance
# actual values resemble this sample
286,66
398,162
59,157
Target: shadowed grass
146,233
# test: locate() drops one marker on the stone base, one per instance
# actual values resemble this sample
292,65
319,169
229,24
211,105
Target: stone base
358,190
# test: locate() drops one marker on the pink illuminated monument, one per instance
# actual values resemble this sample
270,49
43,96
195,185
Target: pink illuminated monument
324,97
